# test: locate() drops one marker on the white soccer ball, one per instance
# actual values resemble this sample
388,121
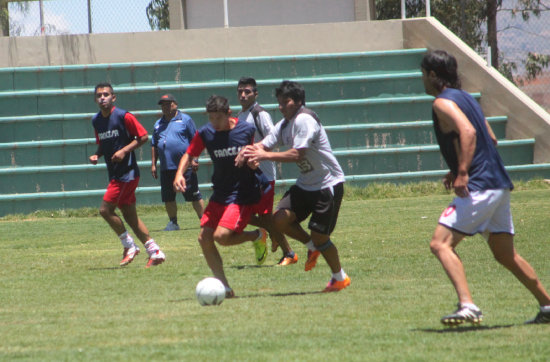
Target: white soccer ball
210,291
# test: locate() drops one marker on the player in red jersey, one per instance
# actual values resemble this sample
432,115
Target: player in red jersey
118,134
236,190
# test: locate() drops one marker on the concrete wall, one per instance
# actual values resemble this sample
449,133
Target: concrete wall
200,43
202,14
526,119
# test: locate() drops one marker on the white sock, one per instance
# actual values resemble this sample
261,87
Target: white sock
340,276
126,240
471,306
545,308
151,247
311,246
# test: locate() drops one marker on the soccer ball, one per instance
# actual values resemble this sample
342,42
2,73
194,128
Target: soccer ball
210,291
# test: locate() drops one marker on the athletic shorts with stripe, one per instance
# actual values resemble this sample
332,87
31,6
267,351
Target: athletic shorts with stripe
480,212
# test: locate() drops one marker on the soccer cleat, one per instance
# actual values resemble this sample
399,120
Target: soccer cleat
171,226
461,315
288,259
260,248
311,259
156,258
540,318
229,293
128,255
336,285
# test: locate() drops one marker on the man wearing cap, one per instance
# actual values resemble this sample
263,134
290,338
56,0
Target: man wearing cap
171,137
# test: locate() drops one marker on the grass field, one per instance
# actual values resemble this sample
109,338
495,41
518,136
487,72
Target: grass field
63,297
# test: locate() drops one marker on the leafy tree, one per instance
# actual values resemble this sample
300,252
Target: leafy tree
158,15
8,27
466,19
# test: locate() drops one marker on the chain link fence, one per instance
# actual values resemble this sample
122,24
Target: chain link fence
57,17
525,44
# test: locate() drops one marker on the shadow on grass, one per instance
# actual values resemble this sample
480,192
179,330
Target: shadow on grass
459,329
181,229
107,268
288,294
253,266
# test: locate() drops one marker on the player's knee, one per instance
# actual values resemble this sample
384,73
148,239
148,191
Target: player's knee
505,259
435,246
324,246
221,237
280,220
105,212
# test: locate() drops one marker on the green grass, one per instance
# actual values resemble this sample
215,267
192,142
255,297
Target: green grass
62,296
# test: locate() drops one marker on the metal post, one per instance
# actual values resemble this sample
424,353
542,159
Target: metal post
403,10
89,16
428,9
41,7
225,15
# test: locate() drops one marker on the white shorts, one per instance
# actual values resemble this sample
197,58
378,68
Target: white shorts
481,212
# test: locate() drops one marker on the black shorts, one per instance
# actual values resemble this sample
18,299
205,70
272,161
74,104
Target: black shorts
167,192
324,205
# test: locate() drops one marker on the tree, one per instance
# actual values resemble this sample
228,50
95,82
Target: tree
8,27
158,15
466,19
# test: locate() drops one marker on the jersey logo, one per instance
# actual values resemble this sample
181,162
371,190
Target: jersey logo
108,134
228,152
448,211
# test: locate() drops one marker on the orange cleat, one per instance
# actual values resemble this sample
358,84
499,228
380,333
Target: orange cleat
156,258
336,285
287,260
311,259
128,255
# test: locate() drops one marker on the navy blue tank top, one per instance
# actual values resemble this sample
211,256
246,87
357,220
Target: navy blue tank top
487,170
113,136
232,185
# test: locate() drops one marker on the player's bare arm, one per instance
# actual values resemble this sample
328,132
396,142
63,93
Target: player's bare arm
179,180
291,155
491,133
154,157
452,119
136,143
93,158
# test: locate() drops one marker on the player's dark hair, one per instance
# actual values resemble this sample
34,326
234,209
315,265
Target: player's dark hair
104,85
217,104
248,81
445,68
292,90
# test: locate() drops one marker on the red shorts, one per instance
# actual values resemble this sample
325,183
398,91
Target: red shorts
121,193
233,217
265,206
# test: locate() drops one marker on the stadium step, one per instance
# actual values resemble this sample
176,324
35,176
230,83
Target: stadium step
372,104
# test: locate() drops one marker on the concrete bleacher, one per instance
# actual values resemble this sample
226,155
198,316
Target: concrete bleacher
372,105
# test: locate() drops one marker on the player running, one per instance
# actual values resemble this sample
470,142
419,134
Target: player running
118,134
482,187
235,189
